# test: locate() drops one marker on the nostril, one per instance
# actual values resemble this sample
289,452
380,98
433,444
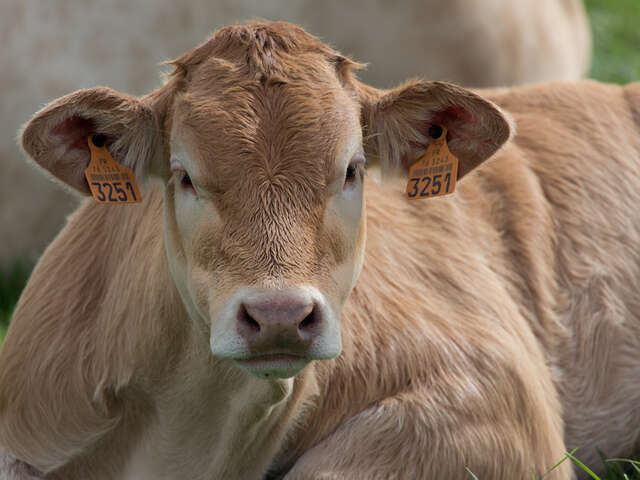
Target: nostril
247,320
308,322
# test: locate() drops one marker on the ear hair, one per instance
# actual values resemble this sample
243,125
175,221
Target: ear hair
398,122
56,137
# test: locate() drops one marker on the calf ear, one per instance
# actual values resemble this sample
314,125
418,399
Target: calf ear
397,124
56,137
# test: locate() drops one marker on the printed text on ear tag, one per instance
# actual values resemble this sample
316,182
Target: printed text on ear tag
436,172
109,181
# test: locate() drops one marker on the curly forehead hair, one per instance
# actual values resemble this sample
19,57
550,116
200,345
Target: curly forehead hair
264,51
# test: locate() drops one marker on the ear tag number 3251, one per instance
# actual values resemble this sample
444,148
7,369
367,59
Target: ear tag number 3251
109,181
435,173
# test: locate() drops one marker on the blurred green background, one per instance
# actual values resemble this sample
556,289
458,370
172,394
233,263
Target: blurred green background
11,283
616,58
616,39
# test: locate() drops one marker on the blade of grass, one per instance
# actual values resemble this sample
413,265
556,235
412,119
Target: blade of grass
613,469
634,463
582,466
556,465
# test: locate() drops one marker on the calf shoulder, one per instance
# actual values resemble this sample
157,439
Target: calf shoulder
86,337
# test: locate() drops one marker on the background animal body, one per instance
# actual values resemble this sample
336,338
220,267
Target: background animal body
65,45
517,274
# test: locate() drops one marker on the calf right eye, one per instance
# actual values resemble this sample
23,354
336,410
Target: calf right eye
351,173
186,181
181,175
357,162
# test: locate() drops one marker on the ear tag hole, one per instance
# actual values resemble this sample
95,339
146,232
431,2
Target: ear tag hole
435,131
436,172
109,181
99,140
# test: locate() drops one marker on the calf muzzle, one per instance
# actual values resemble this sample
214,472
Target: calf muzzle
279,322
276,332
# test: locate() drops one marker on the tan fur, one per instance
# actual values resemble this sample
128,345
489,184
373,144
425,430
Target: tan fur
490,330
69,44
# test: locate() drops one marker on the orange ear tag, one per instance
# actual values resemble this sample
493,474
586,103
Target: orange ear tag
109,181
435,173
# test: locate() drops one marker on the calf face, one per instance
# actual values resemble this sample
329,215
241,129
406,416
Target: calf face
259,136
264,203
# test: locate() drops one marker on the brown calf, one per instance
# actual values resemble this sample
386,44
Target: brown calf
490,330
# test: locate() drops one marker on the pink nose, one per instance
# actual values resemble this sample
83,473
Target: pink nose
279,320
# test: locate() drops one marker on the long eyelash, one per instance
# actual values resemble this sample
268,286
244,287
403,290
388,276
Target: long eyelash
370,136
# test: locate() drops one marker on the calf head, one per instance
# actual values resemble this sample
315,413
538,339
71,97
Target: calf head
259,137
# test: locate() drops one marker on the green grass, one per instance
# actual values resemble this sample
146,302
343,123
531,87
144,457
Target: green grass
12,281
616,58
616,40
614,469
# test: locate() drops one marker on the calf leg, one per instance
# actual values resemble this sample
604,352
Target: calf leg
399,439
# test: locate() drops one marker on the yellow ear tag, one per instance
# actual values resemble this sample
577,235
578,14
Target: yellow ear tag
109,181
435,173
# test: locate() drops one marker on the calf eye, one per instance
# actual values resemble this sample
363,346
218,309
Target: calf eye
186,181
358,161
351,173
180,175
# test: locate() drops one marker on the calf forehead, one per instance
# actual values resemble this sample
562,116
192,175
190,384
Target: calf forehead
274,125
268,96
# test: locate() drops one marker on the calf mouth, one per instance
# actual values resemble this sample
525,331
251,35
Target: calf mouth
273,365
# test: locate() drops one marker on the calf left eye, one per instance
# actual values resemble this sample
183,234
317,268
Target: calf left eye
351,173
358,161
186,181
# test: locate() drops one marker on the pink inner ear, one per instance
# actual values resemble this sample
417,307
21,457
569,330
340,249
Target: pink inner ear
74,132
457,121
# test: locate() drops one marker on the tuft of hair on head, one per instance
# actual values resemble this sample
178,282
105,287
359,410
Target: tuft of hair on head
261,45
